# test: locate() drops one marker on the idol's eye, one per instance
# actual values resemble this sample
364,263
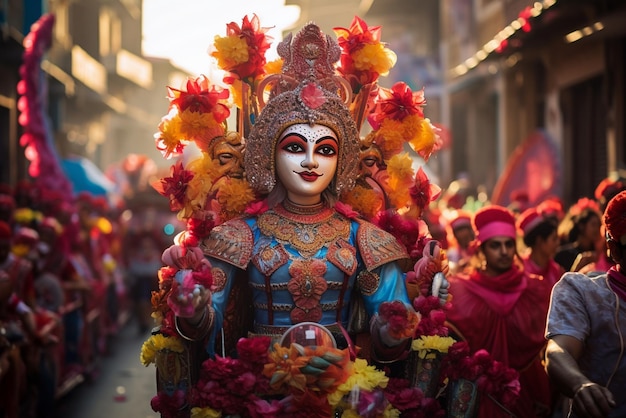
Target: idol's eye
327,150
225,158
369,161
293,147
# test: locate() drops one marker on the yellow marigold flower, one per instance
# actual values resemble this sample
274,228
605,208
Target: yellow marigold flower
364,376
391,412
425,141
195,124
400,166
235,92
234,196
157,343
205,413
273,67
374,57
169,132
230,51
363,200
428,346
399,196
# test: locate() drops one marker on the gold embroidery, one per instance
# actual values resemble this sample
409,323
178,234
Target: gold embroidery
219,279
368,282
306,233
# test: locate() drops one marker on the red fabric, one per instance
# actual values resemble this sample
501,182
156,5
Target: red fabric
552,272
617,281
506,315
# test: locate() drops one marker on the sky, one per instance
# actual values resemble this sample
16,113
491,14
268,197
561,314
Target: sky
183,30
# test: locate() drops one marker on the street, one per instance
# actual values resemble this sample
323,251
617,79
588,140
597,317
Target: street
123,387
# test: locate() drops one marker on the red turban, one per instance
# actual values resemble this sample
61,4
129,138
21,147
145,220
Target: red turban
528,220
615,217
493,221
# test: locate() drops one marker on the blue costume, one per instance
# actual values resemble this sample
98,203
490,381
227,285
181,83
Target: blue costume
303,267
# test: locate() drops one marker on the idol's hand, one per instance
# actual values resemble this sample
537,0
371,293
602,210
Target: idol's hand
188,298
440,287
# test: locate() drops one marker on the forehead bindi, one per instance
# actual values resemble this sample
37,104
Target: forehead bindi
309,133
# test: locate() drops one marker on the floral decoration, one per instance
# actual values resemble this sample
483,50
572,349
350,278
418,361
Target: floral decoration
242,50
492,377
400,320
194,114
423,191
156,343
364,57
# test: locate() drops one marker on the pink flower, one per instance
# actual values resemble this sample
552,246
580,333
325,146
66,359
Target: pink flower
260,408
312,96
257,208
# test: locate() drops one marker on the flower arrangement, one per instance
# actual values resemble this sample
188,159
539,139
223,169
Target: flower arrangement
492,377
364,57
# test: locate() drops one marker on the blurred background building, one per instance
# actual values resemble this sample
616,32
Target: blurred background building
529,95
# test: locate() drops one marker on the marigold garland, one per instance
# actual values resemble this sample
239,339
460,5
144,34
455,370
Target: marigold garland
156,343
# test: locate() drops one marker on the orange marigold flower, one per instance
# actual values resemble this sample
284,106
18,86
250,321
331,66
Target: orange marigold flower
363,58
229,50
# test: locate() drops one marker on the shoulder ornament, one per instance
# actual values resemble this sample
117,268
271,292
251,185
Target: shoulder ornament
231,242
377,246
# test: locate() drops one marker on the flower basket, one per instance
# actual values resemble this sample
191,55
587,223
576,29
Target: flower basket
423,373
462,399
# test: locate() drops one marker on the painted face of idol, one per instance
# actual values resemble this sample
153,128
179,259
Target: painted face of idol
306,161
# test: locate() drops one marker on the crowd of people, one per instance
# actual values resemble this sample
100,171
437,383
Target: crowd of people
71,274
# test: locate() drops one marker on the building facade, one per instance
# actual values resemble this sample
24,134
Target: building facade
516,67
104,98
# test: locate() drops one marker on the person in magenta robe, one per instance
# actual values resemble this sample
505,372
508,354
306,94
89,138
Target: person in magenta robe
542,241
499,307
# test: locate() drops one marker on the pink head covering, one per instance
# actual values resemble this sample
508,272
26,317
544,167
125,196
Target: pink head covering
528,220
494,221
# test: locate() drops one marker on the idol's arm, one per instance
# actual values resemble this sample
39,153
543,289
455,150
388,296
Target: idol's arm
208,316
387,347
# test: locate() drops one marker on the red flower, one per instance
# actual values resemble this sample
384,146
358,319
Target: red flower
401,396
201,227
401,320
406,230
312,96
397,104
201,97
346,210
167,405
257,208
433,317
423,191
258,44
351,40
175,187
254,350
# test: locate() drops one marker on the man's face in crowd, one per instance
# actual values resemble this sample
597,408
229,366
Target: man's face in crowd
499,254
